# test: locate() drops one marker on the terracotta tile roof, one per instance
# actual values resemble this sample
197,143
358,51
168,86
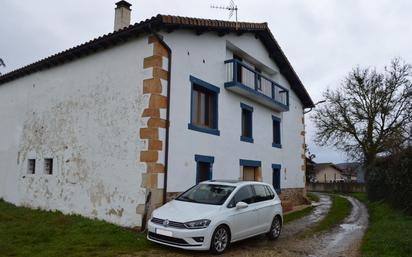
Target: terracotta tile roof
217,24
170,23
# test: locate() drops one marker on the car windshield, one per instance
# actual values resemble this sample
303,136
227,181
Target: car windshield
207,194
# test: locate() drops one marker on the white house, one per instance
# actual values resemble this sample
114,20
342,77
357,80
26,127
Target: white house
328,173
114,127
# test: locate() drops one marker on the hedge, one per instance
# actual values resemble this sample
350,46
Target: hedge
390,179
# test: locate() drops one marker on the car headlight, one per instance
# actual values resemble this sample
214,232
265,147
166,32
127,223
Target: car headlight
196,224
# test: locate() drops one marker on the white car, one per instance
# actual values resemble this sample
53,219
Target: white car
213,214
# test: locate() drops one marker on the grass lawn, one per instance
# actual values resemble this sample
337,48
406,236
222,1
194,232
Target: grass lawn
297,214
389,232
339,210
27,232
313,197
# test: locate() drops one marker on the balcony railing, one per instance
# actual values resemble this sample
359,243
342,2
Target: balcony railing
244,80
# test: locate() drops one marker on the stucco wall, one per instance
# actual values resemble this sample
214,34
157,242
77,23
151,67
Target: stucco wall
203,57
86,116
329,173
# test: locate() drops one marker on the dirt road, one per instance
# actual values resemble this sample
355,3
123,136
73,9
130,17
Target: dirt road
340,241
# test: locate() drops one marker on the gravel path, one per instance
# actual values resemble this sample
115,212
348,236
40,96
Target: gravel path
340,241
344,240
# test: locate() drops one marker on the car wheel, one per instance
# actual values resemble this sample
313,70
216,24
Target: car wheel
220,240
275,228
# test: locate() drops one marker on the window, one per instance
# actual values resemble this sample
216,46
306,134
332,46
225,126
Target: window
247,128
238,68
276,132
276,177
258,79
245,194
270,193
204,107
48,166
261,193
31,166
207,194
251,170
204,168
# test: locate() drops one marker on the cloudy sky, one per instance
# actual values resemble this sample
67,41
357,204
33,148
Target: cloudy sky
323,39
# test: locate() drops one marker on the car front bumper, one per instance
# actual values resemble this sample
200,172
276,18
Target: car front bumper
180,237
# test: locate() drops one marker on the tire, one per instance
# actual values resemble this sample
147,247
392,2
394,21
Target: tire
220,240
275,228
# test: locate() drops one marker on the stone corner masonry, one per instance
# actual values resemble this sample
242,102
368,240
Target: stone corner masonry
154,132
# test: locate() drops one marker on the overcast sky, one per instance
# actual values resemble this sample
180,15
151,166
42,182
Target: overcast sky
323,39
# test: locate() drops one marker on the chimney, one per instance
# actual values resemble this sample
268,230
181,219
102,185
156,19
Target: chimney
122,15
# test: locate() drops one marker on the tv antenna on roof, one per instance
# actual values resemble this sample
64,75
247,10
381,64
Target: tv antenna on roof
232,8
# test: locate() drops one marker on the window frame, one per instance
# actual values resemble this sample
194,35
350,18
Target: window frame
204,159
231,203
212,90
29,170
276,120
258,79
247,108
265,198
277,168
239,72
50,166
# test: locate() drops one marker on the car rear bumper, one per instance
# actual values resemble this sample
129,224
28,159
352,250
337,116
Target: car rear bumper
189,239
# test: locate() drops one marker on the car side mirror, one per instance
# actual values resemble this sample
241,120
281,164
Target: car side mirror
241,205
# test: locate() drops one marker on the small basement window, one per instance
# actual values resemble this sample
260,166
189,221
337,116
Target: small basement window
31,166
48,166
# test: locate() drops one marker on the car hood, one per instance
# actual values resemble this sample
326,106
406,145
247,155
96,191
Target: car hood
181,211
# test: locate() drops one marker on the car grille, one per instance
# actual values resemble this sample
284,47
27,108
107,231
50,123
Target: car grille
172,224
168,239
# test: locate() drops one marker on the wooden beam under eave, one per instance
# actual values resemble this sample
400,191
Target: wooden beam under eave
221,33
199,31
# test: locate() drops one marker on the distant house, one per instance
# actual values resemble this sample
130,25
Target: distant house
353,171
328,173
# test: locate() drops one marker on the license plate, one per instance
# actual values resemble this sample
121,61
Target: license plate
164,232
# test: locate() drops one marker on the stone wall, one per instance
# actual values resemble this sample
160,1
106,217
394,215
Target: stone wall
296,196
289,196
154,133
337,187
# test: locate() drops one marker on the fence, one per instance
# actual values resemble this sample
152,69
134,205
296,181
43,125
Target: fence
336,187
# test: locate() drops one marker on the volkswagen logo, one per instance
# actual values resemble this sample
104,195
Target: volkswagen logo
166,223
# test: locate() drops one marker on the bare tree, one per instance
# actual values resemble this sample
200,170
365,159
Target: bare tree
369,114
310,165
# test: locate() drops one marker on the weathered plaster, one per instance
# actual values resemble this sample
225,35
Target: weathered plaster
86,116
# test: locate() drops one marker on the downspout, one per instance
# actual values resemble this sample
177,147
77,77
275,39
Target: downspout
169,51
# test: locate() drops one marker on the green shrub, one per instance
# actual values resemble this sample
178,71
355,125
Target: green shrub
390,179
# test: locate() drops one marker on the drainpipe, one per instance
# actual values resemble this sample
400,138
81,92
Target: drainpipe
169,51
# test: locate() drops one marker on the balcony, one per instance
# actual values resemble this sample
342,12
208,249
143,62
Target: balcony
244,80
